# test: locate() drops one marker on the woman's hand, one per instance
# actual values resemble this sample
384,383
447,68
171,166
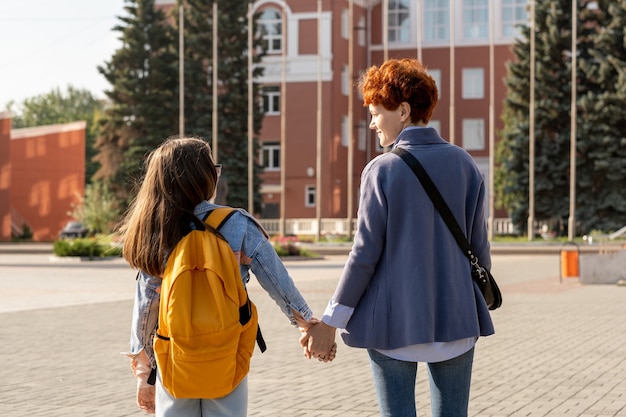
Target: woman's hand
318,341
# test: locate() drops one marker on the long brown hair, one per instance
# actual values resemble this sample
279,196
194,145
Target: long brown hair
179,175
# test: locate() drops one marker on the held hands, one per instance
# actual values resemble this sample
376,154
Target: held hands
318,340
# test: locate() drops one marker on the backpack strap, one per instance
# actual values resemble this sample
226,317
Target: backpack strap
216,218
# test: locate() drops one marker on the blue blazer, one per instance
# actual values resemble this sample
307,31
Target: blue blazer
406,276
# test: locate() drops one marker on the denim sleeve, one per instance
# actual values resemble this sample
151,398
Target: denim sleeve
274,278
145,315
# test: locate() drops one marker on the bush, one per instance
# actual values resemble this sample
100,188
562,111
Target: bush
288,246
86,247
286,249
25,236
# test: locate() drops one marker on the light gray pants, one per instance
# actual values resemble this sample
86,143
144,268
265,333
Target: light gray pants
234,404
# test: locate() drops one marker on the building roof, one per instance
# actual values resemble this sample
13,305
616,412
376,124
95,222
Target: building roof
28,132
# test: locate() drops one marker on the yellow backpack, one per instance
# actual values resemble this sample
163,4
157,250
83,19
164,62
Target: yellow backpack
207,323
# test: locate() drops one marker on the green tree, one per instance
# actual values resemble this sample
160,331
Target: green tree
233,90
143,109
601,202
73,105
98,210
552,121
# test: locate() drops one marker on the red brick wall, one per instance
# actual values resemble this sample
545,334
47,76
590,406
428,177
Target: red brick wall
5,177
48,173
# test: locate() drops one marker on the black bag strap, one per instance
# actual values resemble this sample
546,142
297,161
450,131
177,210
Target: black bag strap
438,202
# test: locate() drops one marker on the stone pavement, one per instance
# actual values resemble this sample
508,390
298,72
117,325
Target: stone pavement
559,348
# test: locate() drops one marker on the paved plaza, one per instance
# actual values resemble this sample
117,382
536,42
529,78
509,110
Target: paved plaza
559,348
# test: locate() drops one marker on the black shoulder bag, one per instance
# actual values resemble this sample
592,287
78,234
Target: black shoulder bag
482,277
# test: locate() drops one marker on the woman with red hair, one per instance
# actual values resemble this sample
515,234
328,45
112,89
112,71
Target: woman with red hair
406,293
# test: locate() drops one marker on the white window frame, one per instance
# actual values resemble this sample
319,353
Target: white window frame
309,193
512,13
474,134
268,34
344,131
399,10
476,19
344,24
363,130
345,80
273,160
436,74
270,96
473,83
361,31
436,20
435,124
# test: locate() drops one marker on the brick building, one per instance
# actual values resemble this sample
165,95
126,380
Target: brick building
416,28
42,172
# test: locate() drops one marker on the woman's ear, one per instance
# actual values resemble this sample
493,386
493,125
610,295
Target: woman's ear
405,111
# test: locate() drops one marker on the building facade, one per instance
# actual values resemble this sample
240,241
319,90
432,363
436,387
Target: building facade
352,35
42,173
315,138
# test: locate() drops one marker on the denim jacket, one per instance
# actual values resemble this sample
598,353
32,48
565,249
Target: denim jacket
255,253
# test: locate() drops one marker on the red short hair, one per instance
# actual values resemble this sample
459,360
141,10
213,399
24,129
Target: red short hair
397,81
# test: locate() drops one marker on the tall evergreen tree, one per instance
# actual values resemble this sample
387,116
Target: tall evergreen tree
232,65
143,111
552,120
601,202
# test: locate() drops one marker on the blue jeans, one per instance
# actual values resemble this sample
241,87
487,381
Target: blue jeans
394,381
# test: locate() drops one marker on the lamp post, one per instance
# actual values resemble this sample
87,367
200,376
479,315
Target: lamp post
283,124
420,20
385,5
492,146
452,72
250,115
531,128
214,86
571,221
350,205
318,138
181,71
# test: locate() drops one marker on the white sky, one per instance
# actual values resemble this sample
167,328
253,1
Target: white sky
53,43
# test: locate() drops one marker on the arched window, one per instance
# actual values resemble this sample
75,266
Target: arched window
271,28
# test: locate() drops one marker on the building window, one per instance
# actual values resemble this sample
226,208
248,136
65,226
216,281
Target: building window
309,196
474,134
361,31
363,135
473,83
270,156
345,80
271,28
344,131
399,27
475,19
436,20
271,100
436,74
513,13
435,124
344,24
